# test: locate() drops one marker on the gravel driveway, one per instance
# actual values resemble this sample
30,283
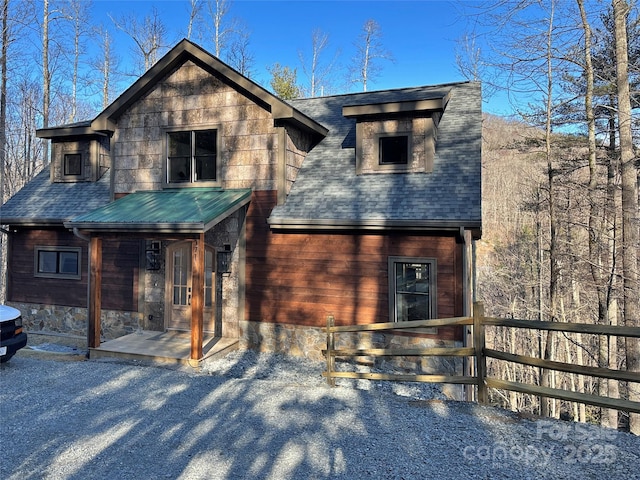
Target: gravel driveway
265,416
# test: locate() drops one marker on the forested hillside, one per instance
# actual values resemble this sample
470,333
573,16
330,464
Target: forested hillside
514,259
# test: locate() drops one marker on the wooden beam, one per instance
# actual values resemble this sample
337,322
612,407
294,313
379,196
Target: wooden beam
330,351
598,401
197,297
372,327
95,292
479,345
590,328
404,377
622,375
423,352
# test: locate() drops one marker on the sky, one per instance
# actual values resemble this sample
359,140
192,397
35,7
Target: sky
421,34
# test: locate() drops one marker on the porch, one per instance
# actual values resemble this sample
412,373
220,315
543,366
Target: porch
165,347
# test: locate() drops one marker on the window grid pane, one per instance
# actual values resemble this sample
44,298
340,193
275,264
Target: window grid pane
205,168
179,169
68,263
180,286
208,278
47,262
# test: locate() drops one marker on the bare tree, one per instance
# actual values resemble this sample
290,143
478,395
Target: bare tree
369,50
195,8
598,248
105,64
46,72
218,11
630,232
3,133
78,14
239,55
149,37
316,70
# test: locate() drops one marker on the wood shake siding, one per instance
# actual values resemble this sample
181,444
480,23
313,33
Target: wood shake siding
191,98
300,278
120,272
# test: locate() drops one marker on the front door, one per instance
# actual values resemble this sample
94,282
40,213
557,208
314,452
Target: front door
178,288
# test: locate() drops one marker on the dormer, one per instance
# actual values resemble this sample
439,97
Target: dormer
397,137
78,154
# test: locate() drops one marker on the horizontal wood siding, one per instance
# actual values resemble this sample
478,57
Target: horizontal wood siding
120,272
300,278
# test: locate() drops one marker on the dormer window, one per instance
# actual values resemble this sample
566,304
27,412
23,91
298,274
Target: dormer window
397,137
192,157
72,165
393,150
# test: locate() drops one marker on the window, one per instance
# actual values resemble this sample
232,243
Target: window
192,156
412,289
393,150
57,262
72,165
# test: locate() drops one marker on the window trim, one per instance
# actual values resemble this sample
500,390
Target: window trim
165,164
64,165
433,294
58,250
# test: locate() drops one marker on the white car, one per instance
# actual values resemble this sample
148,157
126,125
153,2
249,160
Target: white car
12,338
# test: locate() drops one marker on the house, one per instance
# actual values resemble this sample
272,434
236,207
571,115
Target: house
199,201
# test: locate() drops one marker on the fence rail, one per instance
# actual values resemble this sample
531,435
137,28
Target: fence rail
480,353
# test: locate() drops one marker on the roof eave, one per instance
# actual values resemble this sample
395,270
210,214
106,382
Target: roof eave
62,132
32,222
159,228
335,224
285,112
437,104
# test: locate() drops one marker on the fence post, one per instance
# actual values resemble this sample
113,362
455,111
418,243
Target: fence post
330,348
479,343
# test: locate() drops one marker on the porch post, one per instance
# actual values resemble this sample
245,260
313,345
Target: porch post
197,300
95,292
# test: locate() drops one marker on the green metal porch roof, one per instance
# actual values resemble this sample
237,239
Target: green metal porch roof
185,210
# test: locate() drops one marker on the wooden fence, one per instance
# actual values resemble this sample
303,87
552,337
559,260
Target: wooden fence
480,353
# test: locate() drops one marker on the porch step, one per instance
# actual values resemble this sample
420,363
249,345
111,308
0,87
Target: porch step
163,347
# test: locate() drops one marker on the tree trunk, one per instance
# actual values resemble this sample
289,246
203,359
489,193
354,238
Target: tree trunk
3,134
630,231
547,407
46,77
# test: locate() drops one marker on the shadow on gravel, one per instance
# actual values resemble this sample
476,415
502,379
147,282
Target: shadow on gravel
78,420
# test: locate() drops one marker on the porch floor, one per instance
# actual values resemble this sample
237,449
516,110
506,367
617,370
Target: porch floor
166,347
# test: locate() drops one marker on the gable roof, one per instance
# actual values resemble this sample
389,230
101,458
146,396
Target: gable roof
186,50
41,202
328,194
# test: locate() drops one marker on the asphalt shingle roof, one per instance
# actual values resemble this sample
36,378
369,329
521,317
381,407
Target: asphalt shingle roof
42,202
327,188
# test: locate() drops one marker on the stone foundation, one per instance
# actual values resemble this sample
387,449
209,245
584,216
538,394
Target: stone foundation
73,320
310,341
290,339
